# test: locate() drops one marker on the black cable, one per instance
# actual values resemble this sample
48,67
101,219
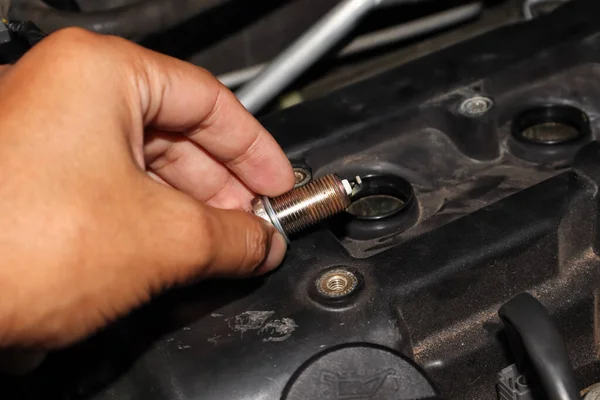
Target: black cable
537,344
132,21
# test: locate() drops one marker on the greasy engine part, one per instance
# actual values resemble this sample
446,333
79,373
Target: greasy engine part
492,216
307,205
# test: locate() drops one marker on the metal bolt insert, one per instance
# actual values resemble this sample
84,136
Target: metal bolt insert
302,175
476,106
337,283
306,206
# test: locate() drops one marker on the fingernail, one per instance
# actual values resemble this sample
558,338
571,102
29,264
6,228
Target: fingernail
276,254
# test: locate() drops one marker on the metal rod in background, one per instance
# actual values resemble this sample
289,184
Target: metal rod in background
529,4
236,78
376,39
412,29
311,46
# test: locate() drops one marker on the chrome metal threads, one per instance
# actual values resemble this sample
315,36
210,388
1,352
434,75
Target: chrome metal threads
311,203
306,205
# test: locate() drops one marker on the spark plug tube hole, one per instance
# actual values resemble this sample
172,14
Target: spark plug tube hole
551,125
384,204
549,133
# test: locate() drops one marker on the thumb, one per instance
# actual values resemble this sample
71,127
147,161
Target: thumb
248,245
198,241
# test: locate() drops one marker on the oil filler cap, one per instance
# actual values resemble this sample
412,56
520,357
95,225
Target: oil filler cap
359,372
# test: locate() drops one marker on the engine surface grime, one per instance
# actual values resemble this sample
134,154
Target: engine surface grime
459,213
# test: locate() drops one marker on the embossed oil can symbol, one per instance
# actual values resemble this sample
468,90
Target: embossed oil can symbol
354,386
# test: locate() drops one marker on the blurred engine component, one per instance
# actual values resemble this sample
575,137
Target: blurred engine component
376,39
315,43
95,5
533,8
286,21
130,20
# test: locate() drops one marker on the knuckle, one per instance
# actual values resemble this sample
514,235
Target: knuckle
250,150
81,47
206,244
257,243
71,32
70,48
197,236
75,37
103,65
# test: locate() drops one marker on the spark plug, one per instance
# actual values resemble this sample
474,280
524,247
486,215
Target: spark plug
307,205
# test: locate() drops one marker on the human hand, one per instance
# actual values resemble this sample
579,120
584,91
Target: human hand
121,171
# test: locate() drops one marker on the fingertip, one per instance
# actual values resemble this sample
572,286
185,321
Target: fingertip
288,179
279,181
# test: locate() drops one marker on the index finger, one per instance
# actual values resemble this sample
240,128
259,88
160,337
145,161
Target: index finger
184,98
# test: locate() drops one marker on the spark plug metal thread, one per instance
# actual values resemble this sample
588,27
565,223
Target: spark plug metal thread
307,205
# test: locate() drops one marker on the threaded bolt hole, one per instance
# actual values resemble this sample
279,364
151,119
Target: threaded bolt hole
337,283
302,175
476,106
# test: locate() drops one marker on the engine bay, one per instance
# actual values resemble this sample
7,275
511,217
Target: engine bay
468,267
